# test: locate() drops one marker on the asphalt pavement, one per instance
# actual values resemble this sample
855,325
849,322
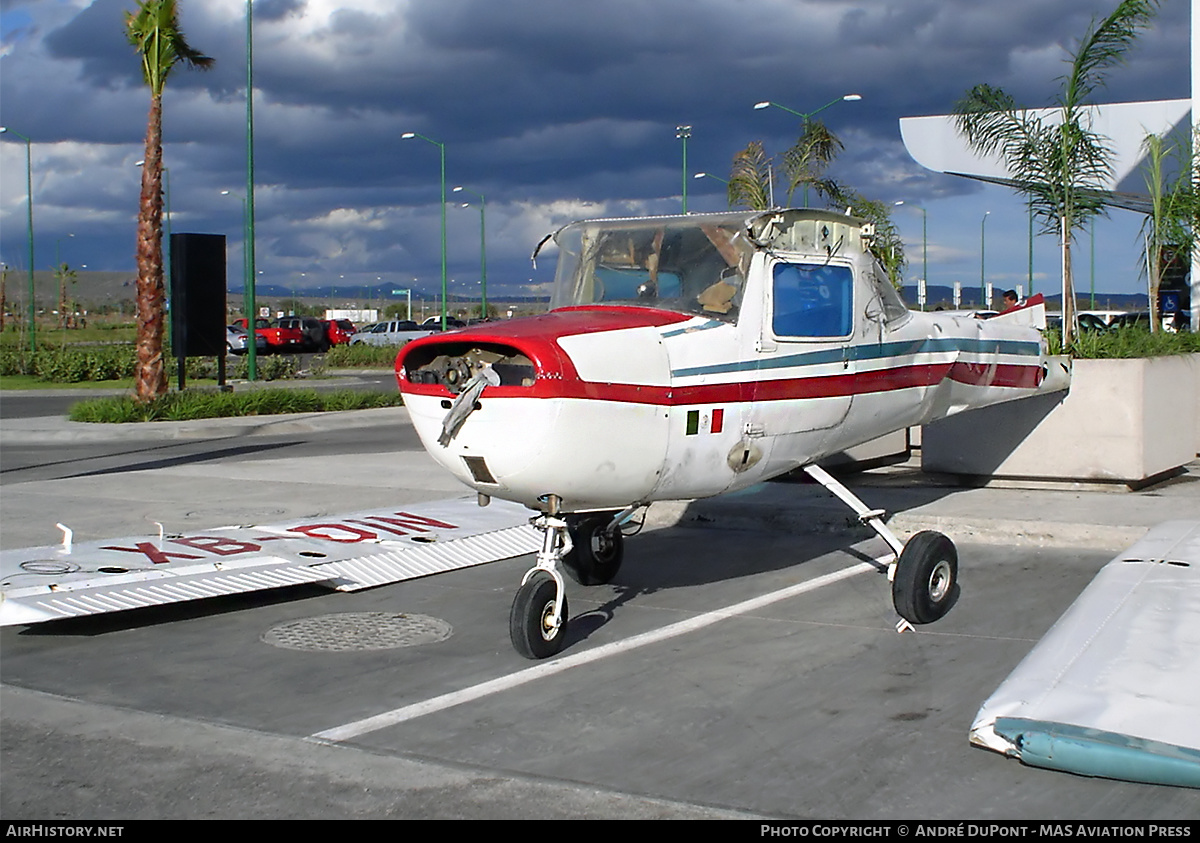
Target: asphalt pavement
808,706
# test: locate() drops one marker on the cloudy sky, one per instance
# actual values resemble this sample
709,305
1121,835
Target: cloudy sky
553,110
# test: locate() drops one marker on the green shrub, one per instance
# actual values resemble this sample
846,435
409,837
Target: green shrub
1124,342
76,364
361,356
207,404
70,364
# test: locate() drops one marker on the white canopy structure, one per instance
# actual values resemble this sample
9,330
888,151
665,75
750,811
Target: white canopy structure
935,144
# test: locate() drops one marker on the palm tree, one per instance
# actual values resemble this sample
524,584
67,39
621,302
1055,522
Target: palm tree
806,161
1170,227
1056,159
154,32
751,179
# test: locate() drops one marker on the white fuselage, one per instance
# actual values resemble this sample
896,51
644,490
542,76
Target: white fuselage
636,405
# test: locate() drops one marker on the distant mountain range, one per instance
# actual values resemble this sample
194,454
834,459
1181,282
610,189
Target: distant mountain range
97,288
944,296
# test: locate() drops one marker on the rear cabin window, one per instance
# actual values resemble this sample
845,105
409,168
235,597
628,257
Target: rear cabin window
812,300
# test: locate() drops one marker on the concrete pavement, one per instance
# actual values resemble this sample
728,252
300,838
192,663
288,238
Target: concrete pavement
811,706
1086,515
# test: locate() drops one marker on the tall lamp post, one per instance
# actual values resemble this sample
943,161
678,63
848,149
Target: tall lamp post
483,311
249,294
924,243
29,229
442,150
983,304
683,133
807,116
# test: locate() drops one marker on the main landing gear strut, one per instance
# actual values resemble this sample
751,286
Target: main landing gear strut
924,572
590,547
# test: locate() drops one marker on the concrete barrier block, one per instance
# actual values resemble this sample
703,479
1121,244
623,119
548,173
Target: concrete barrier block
1121,420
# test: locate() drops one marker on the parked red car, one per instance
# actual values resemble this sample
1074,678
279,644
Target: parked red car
339,331
278,339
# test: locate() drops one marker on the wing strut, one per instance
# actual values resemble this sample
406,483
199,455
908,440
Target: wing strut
924,572
873,518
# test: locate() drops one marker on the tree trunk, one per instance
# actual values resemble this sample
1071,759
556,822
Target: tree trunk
150,372
1068,287
1153,279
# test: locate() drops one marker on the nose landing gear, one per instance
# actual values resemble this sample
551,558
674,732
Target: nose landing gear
589,547
537,622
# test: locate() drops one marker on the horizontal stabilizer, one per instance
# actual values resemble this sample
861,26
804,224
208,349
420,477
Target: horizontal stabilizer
1111,689
346,552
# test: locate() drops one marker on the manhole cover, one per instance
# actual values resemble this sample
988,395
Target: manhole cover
49,566
352,631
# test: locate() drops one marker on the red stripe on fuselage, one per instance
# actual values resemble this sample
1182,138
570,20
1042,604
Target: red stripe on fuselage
779,389
537,337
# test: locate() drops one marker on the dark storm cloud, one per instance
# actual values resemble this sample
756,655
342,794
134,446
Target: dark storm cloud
551,109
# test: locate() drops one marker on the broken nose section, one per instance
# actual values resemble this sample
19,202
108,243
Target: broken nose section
465,403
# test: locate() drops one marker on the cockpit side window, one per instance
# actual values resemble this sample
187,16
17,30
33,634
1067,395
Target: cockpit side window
894,309
812,300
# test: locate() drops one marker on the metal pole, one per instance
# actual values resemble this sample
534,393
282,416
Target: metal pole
442,154
924,249
442,157
683,133
982,259
249,293
1031,247
482,247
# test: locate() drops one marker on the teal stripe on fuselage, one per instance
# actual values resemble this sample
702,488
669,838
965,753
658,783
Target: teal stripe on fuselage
690,329
858,353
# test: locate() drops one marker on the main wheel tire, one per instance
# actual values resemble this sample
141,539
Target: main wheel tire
529,621
596,555
926,582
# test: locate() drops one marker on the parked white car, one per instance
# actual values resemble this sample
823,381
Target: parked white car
235,340
396,332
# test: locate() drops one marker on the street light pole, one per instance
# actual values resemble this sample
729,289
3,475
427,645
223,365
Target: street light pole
29,228
807,116
983,305
442,150
683,133
249,295
483,314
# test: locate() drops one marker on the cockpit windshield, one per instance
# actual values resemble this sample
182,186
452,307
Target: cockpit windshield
692,264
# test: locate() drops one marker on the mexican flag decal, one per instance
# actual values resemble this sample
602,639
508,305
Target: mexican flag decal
705,421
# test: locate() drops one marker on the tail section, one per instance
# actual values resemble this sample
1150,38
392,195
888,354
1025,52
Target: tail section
1031,312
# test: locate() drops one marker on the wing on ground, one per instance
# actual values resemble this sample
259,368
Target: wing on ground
1111,689
345,552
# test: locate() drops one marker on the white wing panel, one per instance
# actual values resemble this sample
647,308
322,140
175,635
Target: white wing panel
347,552
1111,689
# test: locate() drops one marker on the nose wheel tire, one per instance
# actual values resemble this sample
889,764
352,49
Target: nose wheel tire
926,583
595,555
530,625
